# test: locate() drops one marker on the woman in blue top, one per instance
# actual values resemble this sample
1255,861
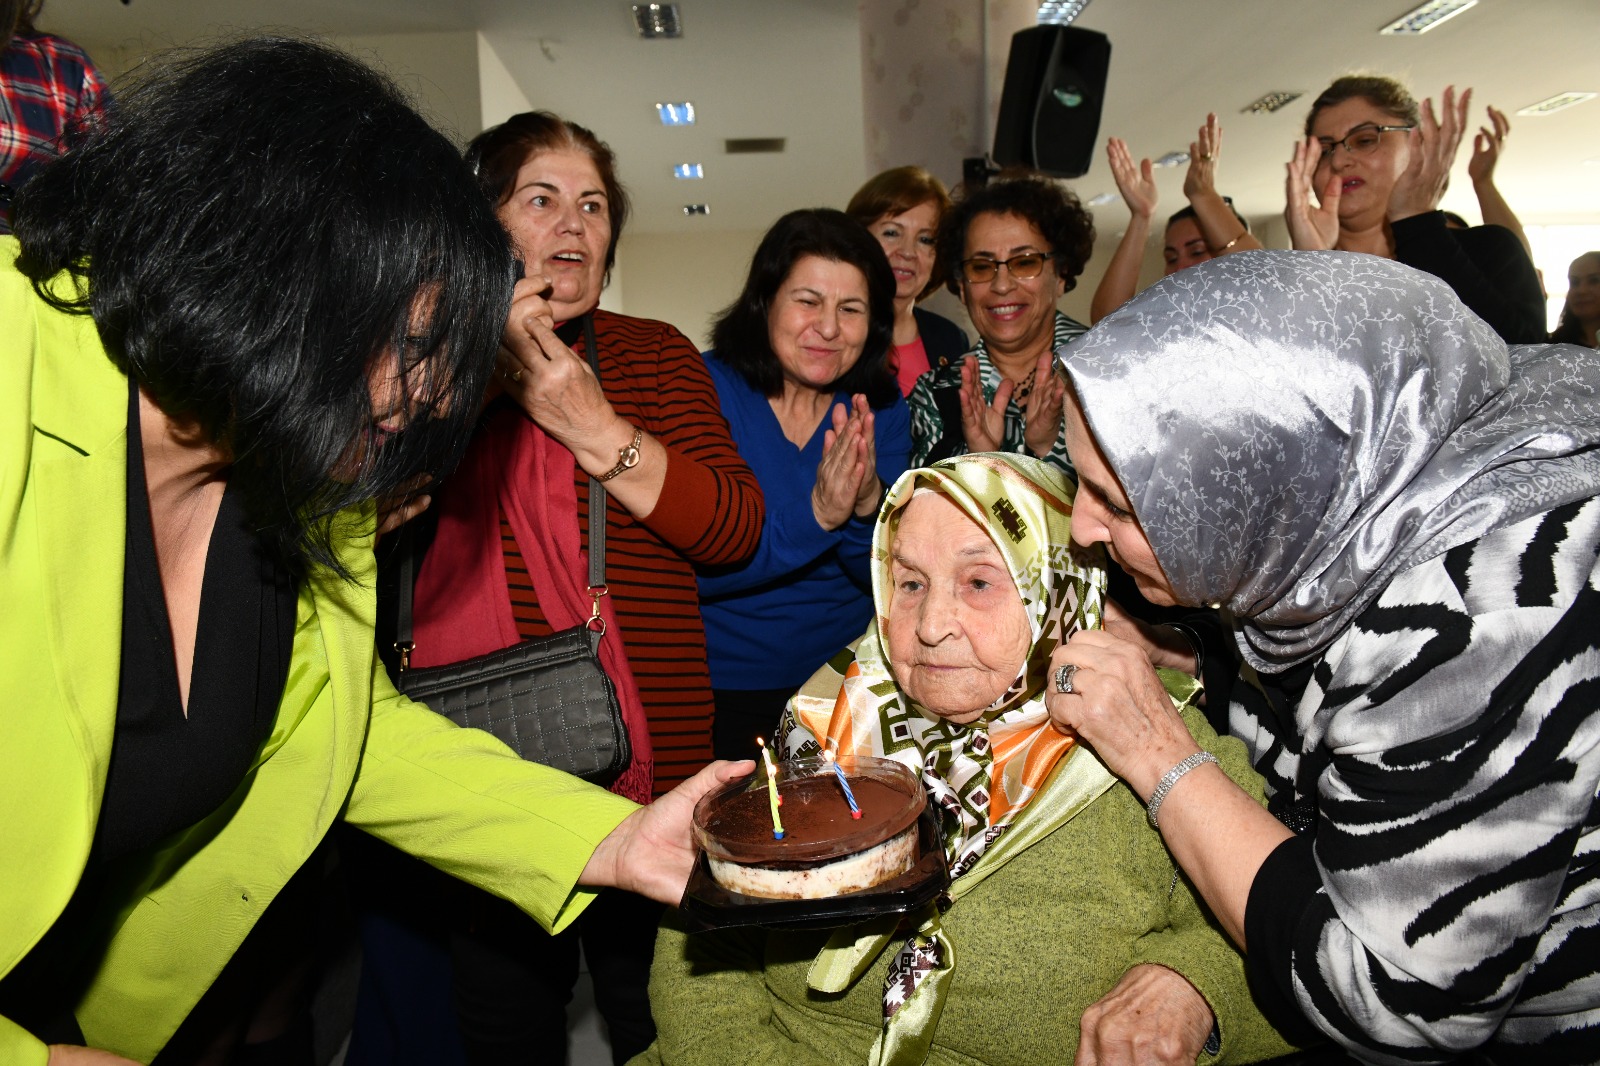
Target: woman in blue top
800,361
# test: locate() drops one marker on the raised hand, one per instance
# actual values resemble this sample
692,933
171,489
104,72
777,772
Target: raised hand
1486,145
1434,142
871,491
843,469
983,424
1201,178
548,380
1136,183
1311,227
1041,408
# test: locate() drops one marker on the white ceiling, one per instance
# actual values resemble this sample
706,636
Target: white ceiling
792,68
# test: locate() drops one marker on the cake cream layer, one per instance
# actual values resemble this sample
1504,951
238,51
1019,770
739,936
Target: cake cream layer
852,873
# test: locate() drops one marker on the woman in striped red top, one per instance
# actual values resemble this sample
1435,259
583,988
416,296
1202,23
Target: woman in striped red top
508,553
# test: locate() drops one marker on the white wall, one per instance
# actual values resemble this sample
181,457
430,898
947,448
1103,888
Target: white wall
438,70
683,279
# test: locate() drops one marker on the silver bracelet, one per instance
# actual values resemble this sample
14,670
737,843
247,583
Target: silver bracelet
1171,778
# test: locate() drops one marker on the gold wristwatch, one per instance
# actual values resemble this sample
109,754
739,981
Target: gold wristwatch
627,457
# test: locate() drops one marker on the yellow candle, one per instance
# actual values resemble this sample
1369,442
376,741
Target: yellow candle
772,790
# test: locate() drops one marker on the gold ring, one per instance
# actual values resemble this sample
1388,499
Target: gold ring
1205,158
512,376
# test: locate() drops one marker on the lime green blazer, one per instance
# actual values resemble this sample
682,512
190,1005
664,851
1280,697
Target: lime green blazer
344,744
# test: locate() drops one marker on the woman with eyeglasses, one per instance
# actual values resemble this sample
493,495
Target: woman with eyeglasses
1369,177
1017,245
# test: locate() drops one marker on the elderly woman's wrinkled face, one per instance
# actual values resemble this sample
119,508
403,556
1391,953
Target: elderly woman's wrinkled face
957,632
560,222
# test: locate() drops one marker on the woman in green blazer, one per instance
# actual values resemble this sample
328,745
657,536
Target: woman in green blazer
263,294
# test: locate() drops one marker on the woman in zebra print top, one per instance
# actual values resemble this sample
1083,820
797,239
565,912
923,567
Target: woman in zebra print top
1398,516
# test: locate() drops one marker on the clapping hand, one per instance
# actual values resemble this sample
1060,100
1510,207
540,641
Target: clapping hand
847,478
1201,178
1041,408
1136,183
1311,228
983,424
1486,145
1434,142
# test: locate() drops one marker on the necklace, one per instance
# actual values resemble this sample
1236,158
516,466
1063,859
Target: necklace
1025,386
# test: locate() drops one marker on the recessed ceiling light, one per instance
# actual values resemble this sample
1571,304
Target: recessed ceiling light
657,20
1060,12
676,114
1103,199
1172,159
1426,17
693,210
1271,102
688,171
1558,102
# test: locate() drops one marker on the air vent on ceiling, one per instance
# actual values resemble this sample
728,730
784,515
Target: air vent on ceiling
1426,17
751,145
656,21
1558,102
1271,102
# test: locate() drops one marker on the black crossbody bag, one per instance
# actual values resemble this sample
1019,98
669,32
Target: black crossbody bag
549,698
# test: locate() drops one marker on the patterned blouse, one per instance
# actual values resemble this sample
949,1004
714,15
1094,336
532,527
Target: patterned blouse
927,424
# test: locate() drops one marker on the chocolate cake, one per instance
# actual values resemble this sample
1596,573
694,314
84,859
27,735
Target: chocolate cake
824,851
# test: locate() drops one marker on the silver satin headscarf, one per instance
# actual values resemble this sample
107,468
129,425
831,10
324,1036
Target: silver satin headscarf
1294,429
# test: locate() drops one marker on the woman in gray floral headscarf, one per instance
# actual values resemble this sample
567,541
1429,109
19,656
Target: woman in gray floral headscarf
1397,514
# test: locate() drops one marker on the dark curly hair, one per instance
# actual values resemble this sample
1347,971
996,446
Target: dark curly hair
256,230
741,334
1048,206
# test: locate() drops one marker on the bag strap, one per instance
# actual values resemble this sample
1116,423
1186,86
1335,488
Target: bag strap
409,561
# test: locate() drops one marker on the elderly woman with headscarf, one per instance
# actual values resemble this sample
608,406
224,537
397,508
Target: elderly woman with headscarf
1398,514
1063,897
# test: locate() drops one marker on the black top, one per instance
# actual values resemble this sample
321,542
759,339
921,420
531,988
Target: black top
1486,266
169,771
941,338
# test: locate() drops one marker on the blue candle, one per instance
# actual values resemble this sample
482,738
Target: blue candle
850,797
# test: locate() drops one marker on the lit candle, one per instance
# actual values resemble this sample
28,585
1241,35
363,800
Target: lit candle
850,797
772,790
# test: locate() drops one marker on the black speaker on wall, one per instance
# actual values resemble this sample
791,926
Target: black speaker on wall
1050,109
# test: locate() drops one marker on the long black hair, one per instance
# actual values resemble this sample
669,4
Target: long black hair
741,337
252,228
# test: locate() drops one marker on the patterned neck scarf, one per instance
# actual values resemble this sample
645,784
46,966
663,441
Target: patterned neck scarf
979,775
1296,428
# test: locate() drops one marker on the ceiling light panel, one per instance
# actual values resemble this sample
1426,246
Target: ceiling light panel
1172,159
1424,18
696,210
1273,101
1558,102
681,114
1060,12
657,21
1102,199
688,171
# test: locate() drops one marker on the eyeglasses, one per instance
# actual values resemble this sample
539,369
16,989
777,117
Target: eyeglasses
1024,267
1362,140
